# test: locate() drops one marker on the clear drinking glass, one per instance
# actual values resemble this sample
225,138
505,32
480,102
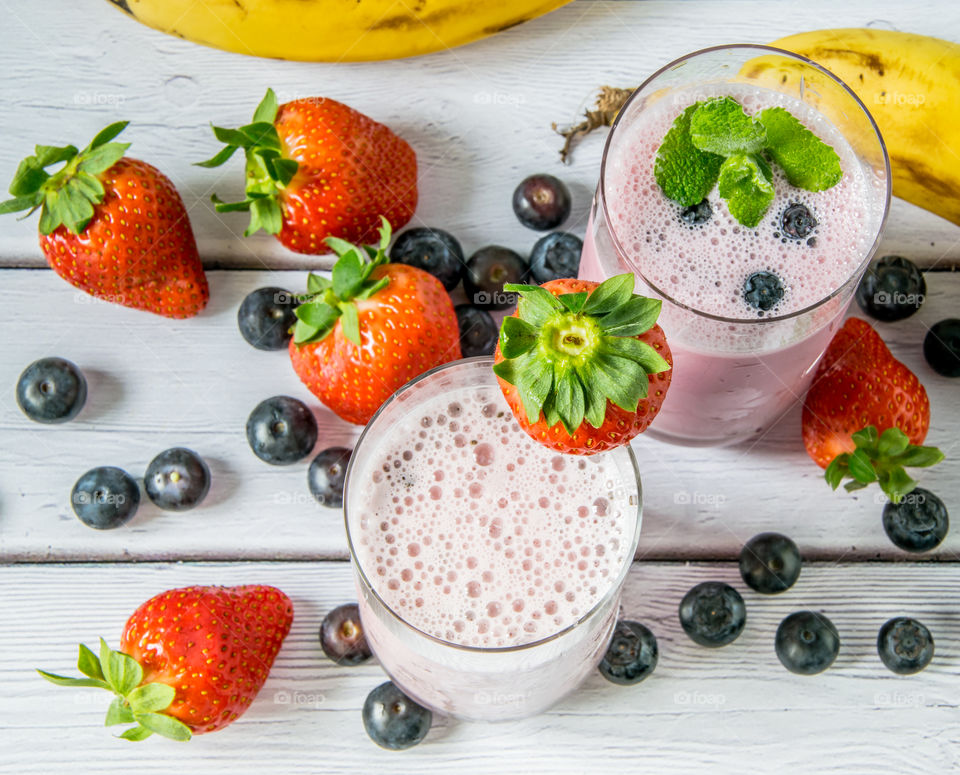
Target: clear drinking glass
734,376
471,682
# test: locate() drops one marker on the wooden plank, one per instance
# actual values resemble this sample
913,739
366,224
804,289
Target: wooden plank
721,711
479,117
156,383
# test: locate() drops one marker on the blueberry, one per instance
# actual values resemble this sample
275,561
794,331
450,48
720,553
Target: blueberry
696,215
51,390
905,645
941,347
541,202
478,331
763,291
266,316
487,271
105,498
326,474
713,614
797,222
393,720
632,654
770,563
177,479
892,288
342,638
281,430
918,523
432,250
807,642
556,256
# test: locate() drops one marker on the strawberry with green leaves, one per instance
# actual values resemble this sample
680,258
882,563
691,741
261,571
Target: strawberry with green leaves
317,168
191,660
584,367
866,414
112,226
370,328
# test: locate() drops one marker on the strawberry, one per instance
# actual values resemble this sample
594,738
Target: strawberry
370,329
317,168
191,660
584,367
114,227
864,414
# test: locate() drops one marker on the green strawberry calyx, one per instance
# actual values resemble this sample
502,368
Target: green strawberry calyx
67,197
268,171
882,458
333,299
135,702
568,355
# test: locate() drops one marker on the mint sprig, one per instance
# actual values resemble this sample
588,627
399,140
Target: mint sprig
715,142
135,702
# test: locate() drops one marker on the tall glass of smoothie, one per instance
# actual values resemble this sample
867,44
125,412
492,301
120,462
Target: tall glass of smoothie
488,567
738,366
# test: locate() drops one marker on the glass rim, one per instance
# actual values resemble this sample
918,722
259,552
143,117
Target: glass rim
615,587
888,183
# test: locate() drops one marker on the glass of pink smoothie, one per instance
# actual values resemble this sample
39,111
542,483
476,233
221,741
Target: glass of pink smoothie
488,567
738,369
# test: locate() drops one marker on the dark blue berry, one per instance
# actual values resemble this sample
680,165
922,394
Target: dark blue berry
632,654
478,331
105,498
807,643
918,523
541,202
892,288
51,390
342,638
556,256
326,475
177,479
713,614
393,720
941,347
797,222
432,250
487,271
696,215
905,645
770,563
763,291
266,317
281,430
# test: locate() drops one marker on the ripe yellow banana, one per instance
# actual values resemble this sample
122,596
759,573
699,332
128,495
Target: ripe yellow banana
334,30
911,86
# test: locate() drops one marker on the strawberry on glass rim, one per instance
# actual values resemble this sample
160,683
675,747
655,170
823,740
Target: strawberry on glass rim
317,168
866,415
191,660
112,226
370,328
583,366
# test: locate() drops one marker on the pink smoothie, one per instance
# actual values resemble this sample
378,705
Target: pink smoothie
736,370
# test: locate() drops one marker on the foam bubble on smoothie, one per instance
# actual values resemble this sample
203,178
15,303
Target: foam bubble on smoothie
485,543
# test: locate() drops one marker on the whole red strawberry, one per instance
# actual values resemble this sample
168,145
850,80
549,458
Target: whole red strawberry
584,367
317,168
864,413
114,227
191,660
370,329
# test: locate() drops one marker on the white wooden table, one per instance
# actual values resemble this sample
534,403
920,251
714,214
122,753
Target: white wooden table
479,119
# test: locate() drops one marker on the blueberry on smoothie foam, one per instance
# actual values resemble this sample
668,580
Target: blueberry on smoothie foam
763,291
393,720
797,222
632,654
698,214
713,614
905,645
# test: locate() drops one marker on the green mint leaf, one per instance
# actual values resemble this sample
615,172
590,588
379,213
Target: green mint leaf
89,664
807,161
151,697
165,725
720,126
118,713
746,185
610,294
350,321
684,173
573,301
516,337
136,734
267,109
62,680
633,318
